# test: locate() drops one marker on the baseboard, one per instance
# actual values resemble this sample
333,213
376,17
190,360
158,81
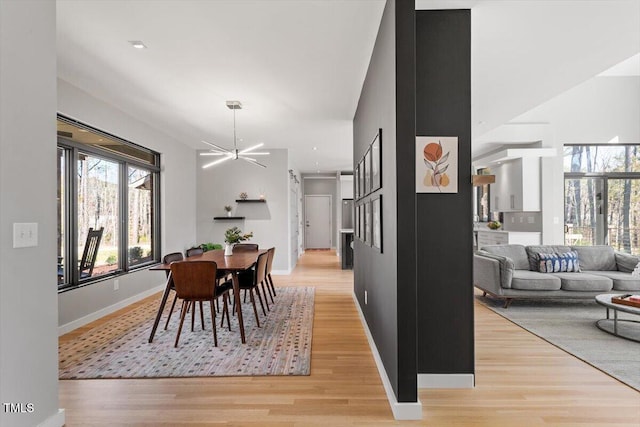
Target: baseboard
401,410
281,272
446,380
68,327
56,420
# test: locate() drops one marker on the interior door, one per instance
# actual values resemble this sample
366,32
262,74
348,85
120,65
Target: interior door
317,221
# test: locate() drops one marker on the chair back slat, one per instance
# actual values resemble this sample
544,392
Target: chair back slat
90,252
194,280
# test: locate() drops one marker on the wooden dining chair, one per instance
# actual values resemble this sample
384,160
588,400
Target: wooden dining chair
269,280
221,274
90,252
168,259
245,247
251,281
194,251
196,281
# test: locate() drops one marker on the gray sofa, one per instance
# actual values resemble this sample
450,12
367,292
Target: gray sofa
511,271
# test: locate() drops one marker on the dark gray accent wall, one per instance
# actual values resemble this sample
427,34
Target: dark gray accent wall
387,101
444,221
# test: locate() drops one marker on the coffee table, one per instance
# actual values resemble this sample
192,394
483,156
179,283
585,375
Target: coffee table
611,326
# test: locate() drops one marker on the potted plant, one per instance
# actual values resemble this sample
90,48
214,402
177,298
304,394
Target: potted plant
228,208
231,237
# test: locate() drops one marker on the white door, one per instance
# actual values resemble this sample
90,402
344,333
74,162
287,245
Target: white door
317,221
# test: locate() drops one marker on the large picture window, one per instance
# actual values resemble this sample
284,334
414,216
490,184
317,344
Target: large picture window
108,218
602,196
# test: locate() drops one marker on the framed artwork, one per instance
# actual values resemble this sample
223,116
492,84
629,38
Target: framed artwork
436,164
361,224
367,222
376,162
361,173
367,172
376,223
356,182
356,221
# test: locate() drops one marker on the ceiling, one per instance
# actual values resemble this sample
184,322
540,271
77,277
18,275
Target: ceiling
298,66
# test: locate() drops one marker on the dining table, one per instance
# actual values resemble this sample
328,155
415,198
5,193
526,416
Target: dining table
233,264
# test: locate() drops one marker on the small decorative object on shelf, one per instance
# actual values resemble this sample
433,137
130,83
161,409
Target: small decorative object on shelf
228,209
243,196
231,237
494,225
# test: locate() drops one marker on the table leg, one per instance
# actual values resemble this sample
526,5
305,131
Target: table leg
615,322
167,289
236,296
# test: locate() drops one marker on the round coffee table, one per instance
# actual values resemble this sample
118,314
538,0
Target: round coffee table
611,326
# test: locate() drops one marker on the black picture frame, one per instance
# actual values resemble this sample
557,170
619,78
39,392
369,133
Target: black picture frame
356,221
367,222
367,171
376,162
361,225
356,182
376,223
361,172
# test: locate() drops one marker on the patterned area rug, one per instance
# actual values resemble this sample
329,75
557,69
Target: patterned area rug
570,325
120,347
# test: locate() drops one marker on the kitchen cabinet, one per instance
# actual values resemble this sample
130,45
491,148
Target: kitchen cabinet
498,237
517,186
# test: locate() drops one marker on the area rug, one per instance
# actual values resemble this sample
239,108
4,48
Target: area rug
570,325
120,347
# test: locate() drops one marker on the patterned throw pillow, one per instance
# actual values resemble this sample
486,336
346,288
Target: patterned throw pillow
556,263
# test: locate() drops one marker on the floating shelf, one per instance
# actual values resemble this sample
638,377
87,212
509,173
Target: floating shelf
227,218
251,201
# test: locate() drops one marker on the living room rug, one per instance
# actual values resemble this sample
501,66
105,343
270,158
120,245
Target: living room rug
120,348
570,325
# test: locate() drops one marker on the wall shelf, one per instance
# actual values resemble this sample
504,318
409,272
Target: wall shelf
251,201
228,218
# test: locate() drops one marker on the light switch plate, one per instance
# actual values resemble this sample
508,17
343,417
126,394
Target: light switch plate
25,234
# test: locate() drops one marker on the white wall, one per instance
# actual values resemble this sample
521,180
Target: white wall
28,291
222,184
178,189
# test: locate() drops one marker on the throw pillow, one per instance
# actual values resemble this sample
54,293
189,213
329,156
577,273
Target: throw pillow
556,263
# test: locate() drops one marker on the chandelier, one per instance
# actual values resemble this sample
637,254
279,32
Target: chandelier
235,154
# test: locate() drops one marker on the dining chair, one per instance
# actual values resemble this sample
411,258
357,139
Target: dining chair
245,247
194,251
168,259
196,281
269,280
251,281
90,252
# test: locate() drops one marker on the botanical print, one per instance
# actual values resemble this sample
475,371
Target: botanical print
436,164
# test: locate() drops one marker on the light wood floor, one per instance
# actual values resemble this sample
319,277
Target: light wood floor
521,380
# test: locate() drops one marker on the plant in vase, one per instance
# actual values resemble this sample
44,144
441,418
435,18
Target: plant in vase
228,209
232,236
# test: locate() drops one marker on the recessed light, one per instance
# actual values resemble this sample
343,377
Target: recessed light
318,171
137,44
315,148
317,163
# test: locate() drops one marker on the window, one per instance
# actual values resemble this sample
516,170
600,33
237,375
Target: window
110,185
602,196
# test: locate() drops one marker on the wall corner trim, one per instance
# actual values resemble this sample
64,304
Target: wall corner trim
401,410
446,381
56,420
68,327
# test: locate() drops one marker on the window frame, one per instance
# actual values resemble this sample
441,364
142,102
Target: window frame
72,151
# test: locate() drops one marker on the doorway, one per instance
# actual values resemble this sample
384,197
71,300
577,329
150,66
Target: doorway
317,221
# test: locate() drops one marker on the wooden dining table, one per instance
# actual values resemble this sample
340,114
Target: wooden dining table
239,261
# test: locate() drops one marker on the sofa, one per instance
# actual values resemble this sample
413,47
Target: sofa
515,271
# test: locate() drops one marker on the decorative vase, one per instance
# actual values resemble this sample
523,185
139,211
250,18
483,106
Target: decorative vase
229,214
228,249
